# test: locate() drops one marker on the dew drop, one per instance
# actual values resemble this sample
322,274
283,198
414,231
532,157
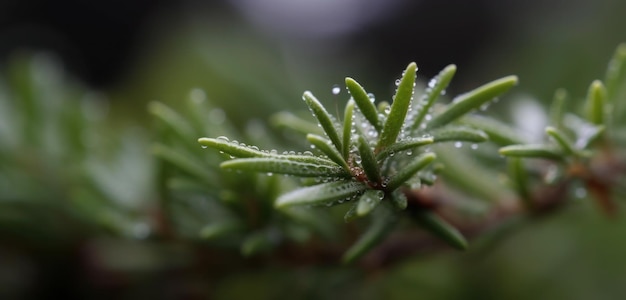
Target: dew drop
409,152
371,96
415,184
428,117
223,138
391,153
397,82
474,146
204,146
458,144
270,174
385,182
336,89
432,83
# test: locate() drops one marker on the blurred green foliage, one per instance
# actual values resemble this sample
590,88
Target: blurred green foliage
87,210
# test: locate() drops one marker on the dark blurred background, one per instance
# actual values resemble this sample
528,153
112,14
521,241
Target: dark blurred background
102,41
107,44
97,41
262,54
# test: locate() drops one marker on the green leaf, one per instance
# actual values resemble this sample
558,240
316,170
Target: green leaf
351,213
469,101
272,165
399,108
556,109
235,149
380,227
440,228
519,177
324,118
458,133
368,161
566,145
322,144
322,194
428,179
588,137
615,72
586,133
364,102
21,72
172,119
435,87
409,170
232,148
399,200
596,98
368,201
304,158
498,132
532,151
347,128
407,144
